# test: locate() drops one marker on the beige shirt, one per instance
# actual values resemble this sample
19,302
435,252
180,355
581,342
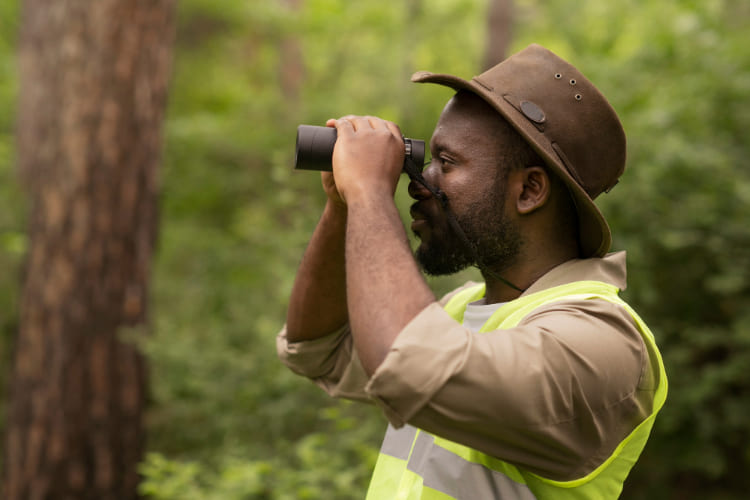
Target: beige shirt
554,395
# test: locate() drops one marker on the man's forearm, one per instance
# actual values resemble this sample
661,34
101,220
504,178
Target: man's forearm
318,304
384,285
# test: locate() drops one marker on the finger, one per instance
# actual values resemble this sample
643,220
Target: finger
375,122
352,119
364,122
381,124
344,126
327,178
395,130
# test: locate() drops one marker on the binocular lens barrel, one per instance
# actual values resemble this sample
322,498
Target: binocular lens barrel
314,148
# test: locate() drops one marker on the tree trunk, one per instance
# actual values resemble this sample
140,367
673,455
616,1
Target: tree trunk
291,66
499,32
93,92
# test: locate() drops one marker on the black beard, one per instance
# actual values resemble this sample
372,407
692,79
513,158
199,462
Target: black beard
493,242
443,258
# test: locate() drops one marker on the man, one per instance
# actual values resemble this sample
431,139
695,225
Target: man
539,383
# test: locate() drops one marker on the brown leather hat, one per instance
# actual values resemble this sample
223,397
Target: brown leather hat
565,119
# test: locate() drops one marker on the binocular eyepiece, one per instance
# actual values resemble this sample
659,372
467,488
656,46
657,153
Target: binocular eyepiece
314,148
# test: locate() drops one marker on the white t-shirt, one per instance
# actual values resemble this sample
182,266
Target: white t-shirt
477,313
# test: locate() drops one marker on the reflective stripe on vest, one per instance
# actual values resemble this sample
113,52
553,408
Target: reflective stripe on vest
414,464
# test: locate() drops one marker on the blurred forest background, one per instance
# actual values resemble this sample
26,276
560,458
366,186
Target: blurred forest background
224,420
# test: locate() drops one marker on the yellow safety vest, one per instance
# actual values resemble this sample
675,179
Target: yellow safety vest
414,464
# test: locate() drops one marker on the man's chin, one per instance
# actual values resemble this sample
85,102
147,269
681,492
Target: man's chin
423,260
436,263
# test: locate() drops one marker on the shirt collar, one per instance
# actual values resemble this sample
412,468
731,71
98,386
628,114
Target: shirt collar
608,269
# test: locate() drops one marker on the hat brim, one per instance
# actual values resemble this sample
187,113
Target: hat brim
594,235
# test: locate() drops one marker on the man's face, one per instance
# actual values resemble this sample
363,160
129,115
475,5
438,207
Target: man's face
469,155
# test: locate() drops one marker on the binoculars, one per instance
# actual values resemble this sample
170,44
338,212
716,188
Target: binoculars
314,148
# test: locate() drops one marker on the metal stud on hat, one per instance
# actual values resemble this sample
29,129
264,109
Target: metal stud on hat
565,119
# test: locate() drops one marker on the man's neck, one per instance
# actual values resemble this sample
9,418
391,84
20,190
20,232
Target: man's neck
510,284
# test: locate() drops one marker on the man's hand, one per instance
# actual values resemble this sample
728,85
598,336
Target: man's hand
329,186
368,157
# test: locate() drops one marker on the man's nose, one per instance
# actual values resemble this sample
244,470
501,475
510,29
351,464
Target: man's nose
417,190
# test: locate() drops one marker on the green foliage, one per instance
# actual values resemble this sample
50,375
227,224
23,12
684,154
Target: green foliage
318,465
227,420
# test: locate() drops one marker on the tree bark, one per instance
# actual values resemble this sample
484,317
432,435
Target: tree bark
291,66
93,92
499,32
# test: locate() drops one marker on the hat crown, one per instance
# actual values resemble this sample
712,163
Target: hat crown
566,111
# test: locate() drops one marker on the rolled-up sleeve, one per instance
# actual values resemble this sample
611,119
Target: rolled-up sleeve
329,361
332,363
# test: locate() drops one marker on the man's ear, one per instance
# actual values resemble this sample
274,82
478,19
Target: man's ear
535,189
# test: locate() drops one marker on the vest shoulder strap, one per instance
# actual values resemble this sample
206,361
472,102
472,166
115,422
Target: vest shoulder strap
511,313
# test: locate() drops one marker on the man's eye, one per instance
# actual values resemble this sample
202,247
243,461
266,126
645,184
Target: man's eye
441,159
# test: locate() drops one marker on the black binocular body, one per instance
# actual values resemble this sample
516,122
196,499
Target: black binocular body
314,148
